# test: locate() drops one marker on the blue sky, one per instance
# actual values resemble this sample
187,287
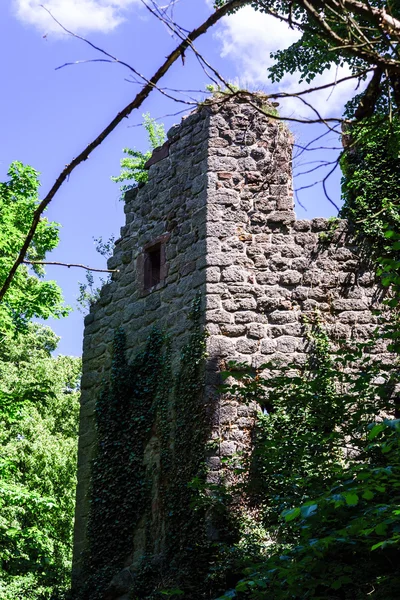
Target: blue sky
47,116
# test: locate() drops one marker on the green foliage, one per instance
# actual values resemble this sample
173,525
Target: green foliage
135,405
29,295
325,482
326,237
188,549
371,181
38,436
316,50
132,166
124,414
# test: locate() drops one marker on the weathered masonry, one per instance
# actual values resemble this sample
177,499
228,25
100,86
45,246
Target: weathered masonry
215,221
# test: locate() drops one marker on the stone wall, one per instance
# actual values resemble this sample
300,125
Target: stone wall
219,203
267,270
170,206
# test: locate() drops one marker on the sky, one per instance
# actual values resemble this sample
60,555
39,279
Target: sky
49,114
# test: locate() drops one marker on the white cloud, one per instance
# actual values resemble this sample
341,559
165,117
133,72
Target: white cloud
80,16
248,38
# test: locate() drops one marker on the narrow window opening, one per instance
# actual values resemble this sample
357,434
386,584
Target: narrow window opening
152,274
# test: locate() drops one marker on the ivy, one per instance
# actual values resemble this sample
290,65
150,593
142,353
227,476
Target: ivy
124,414
141,399
322,491
371,181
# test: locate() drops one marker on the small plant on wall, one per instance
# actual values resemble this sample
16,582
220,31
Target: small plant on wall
132,166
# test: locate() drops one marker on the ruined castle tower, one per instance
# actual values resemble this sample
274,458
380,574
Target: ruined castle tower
214,222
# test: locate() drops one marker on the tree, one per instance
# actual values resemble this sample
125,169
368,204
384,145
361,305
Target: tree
39,410
29,296
360,33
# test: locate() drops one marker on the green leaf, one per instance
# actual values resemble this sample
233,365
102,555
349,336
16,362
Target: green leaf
376,430
378,545
368,495
351,498
381,529
308,511
292,514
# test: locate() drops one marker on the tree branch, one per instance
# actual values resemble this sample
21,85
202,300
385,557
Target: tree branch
125,112
61,264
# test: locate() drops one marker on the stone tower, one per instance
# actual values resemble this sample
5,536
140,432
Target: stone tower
215,221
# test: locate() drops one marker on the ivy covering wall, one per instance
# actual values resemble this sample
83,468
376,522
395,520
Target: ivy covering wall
146,402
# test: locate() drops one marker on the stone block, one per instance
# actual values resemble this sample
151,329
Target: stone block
89,380
152,302
220,346
345,304
281,216
245,423
290,278
89,319
213,329
344,254
258,153
213,302
228,197
214,463
227,414
221,230
220,259
212,275
248,317
319,224
198,184
245,302
228,448
285,203
246,346
287,344
219,316
229,305
292,329
234,274
257,331
268,346
306,239
233,330
222,163
267,278
357,317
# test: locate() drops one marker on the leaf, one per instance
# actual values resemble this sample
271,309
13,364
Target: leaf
381,529
368,495
292,514
308,511
351,498
376,431
378,545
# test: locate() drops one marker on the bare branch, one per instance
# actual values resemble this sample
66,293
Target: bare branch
125,112
323,181
323,164
61,264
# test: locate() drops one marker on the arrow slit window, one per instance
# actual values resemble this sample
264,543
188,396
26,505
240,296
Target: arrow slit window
154,263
